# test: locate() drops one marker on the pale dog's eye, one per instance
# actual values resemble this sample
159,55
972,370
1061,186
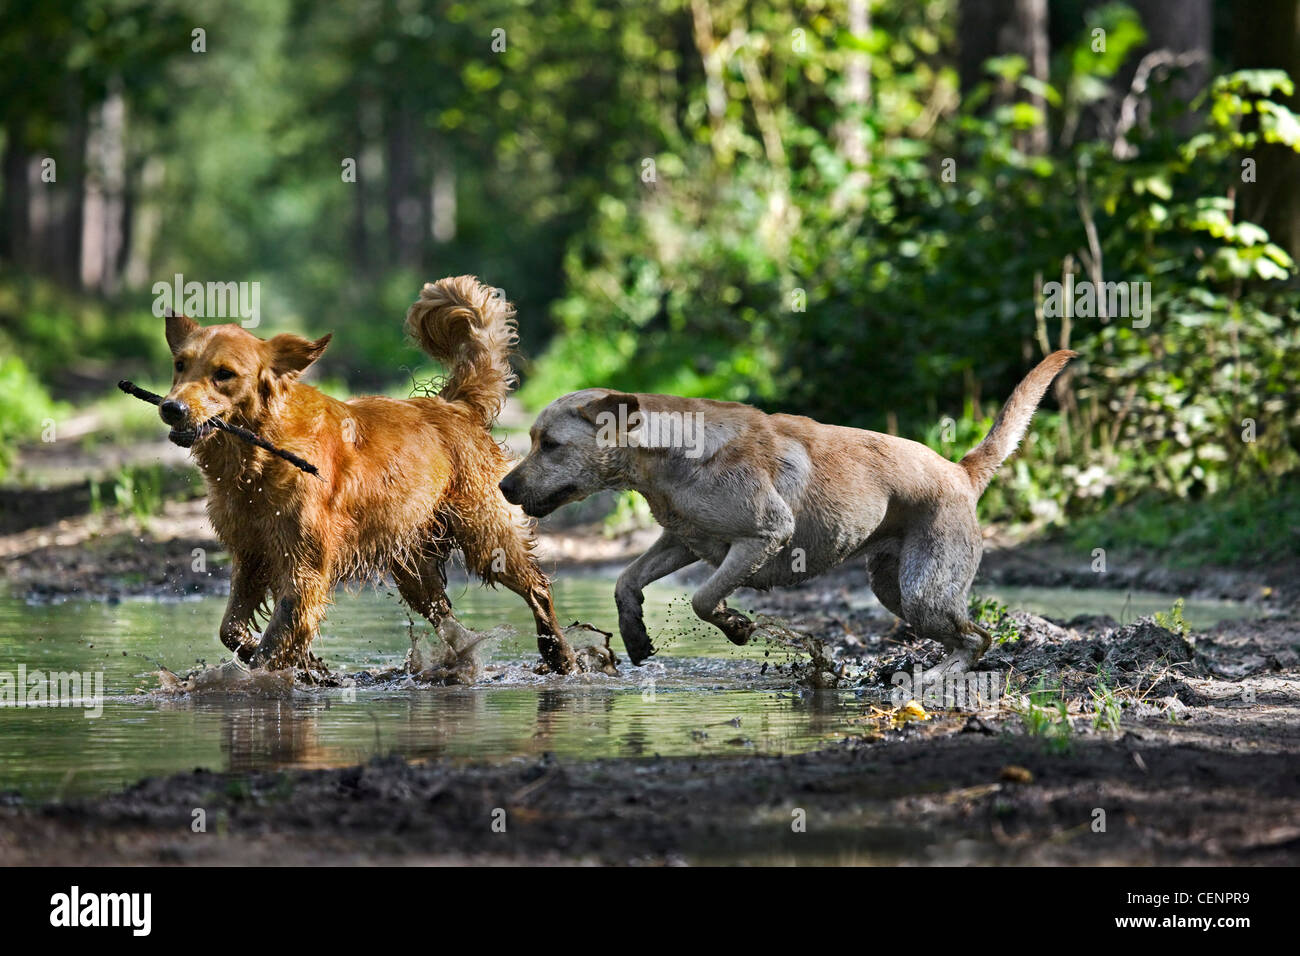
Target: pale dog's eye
548,444
223,375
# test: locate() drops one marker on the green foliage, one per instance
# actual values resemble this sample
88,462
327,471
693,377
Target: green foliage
703,209
761,265
996,616
630,513
1173,621
1254,525
24,406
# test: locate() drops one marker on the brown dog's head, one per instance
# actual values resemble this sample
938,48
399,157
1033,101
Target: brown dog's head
224,371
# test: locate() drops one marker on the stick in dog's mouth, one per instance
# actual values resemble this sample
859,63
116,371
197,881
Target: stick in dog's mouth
188,437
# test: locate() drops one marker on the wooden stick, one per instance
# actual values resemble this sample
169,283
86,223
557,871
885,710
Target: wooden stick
242,433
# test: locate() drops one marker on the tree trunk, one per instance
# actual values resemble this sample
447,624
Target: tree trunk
849,139
102,240
991,28
405,205
1268,36
15,242
442,201
1030,41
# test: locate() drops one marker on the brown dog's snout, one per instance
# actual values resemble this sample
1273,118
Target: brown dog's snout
510,488
173,412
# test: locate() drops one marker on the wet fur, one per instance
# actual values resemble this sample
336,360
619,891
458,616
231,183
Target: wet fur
402,484
774,500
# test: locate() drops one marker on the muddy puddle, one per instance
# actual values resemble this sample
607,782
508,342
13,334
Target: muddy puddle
699,696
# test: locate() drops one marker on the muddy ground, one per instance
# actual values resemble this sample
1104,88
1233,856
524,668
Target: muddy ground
1186,746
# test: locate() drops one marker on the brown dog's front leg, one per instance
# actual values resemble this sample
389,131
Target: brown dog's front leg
248,587
528,581
556,653
286,642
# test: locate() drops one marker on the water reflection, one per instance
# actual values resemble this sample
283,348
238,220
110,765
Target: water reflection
699,695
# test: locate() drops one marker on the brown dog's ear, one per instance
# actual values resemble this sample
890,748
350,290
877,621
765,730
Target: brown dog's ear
291,354
179,328
609,405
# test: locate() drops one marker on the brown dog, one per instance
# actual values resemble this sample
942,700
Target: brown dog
772,500
402,483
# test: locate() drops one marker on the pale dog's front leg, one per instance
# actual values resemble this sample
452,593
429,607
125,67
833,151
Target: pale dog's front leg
664,557
745,557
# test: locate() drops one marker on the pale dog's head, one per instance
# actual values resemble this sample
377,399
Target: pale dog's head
572,454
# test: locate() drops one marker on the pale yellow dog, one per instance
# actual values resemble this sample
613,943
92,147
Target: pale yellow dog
772,500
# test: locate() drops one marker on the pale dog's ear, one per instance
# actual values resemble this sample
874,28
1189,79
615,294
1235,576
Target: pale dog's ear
616,416
179,328
598,410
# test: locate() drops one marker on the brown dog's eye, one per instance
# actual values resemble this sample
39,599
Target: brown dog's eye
180,366
223,375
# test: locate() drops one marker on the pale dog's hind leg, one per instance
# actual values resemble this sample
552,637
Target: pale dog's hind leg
937,564
882,568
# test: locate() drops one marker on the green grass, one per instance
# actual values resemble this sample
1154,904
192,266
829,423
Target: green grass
1106,708
1046,715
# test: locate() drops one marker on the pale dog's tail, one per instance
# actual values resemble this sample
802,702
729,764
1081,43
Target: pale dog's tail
982,462
466,326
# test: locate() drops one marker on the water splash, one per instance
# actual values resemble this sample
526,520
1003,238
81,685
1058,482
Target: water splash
824,671
459,659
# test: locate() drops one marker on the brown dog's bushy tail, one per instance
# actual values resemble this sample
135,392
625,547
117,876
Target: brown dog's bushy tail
982,462
468,327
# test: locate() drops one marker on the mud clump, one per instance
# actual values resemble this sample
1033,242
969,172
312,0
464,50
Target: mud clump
231,679
1134,648
591,648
